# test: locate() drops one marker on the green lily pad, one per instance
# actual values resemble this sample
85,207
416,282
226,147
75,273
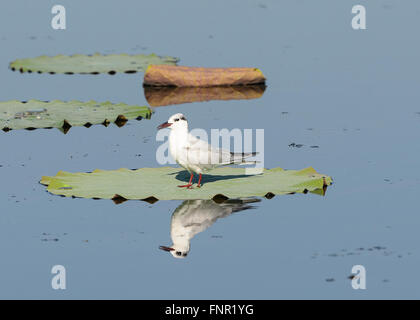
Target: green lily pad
35,114
154,184
90,64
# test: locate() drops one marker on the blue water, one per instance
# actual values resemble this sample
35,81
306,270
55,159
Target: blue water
353,93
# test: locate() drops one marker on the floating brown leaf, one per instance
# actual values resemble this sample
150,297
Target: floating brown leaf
180,76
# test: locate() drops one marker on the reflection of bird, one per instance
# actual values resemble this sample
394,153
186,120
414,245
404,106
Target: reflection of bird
196,155
195,216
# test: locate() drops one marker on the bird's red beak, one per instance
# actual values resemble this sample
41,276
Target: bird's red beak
168,249
164,125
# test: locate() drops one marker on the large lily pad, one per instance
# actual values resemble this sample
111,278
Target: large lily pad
161,184
34,114
90,64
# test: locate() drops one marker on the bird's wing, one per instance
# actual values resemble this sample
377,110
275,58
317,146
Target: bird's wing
195,216
192,217
200,152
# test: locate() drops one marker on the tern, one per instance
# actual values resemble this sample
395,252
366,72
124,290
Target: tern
196,155
195,216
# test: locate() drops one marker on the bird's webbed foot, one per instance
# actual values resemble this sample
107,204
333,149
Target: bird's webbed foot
188,186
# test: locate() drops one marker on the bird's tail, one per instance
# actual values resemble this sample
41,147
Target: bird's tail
240,204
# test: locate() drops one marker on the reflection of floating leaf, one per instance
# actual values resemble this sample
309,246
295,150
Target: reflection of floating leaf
161,184
163,96
180,76
36,114
90,64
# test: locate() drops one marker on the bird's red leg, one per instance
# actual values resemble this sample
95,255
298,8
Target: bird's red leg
189,183
199,181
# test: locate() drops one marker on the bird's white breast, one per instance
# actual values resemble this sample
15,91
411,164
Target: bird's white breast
177,147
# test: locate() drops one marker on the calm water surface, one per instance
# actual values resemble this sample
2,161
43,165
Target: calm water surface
352,93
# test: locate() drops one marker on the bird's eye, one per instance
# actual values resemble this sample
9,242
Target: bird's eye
178,253
176,119
183,118
184,255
